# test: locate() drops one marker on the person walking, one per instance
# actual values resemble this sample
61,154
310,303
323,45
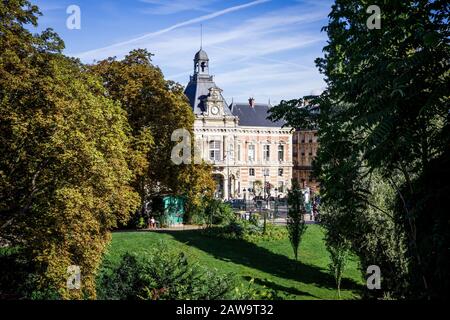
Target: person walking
152,223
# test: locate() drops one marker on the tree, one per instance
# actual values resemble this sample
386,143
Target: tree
156,108
338,255
64,171
211,210
384,121
296,225
198,187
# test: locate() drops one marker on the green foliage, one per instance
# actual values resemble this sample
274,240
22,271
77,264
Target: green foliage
198,216
165,274
250,292
247,231
84,147
254,218
373,234
295,223
65,180
218,212
142,223
155,108
269,263
18,278
339,253
384,141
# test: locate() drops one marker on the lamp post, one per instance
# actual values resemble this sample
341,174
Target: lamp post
266,174
245,199
227,156
276,204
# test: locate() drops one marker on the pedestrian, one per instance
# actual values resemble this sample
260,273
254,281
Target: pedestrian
152,223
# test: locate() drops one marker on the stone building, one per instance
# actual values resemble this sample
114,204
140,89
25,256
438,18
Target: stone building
304,151
243,146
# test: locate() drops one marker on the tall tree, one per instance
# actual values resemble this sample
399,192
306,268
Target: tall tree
64,169
384,121
296,225
339,252
156,108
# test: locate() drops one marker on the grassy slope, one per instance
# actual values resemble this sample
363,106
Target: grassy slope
270,263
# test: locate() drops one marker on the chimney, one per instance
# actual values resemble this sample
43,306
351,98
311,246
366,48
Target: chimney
251,102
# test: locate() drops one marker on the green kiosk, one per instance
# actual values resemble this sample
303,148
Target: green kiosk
173,208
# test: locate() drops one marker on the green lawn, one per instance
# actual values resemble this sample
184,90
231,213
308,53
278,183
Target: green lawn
269,263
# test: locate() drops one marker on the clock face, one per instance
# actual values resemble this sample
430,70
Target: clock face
215,110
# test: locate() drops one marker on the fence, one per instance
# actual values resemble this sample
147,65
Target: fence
274,208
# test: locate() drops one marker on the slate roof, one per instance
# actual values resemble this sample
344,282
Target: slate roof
201,55
254,116
198,89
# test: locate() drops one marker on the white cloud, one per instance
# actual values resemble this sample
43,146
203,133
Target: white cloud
163,7
263,82
266,56
120,46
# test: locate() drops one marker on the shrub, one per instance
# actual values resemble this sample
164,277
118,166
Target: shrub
250,292
246,230
198,216
141,223
254,219
218,213
163,274
18,279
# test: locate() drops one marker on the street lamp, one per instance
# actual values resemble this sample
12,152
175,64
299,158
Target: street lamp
276,204
266,190
227,156
266,174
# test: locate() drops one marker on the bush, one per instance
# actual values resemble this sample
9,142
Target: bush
18,279
163,274
246,230
211,212
254,219
218,213
198,216
250,292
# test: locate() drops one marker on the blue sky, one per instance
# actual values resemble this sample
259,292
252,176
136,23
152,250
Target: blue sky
260,48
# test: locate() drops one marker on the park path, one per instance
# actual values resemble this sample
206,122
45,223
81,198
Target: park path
174,228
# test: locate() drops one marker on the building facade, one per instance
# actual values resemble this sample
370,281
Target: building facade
244,147
304,151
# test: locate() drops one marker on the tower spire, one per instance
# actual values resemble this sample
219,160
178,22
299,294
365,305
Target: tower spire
201,36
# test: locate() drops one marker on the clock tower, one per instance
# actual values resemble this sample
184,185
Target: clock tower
214,102
238,140
204,96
